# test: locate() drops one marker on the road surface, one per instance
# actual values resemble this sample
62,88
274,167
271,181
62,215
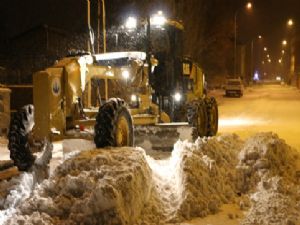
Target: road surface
265,108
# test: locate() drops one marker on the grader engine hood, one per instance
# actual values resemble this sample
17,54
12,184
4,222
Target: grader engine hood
48,102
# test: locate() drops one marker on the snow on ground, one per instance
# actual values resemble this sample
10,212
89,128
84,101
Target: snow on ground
263,108
13,193
126,186
259,175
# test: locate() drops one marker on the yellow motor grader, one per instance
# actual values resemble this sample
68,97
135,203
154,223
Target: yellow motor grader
112,94
108,97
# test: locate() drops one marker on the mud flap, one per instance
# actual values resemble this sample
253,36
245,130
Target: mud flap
161,136
41,168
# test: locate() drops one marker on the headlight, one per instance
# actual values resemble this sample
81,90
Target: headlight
109,73
177,97
134,98
125,74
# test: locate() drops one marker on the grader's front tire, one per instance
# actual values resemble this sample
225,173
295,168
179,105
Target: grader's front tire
113,125
197,117
18,144
212,115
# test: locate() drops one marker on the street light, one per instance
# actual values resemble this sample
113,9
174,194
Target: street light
290,22
284,42
248,7
265,49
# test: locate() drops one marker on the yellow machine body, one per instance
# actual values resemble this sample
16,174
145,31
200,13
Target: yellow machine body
65,95
4,110
196,76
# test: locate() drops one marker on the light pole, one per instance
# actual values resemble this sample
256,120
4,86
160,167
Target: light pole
103,25
286,57
248,7
258,38
291,36
89,25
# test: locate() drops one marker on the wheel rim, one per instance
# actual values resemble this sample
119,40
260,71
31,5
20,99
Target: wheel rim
122,132
201,125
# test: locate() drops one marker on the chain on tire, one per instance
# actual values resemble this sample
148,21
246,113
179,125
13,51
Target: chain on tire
113,125
212,115
197,117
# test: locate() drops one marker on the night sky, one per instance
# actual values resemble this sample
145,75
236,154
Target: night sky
267,18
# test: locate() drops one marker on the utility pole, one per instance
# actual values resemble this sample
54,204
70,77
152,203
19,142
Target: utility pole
90,44
88,23
104,26
251,61
234,51
98,27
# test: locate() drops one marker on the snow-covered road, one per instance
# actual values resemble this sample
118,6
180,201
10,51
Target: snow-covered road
273,108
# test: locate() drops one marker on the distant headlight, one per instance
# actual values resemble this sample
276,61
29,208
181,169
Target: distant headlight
125,74
177,97
134,98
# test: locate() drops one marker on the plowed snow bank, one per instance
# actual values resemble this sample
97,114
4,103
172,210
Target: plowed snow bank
95,187
125,186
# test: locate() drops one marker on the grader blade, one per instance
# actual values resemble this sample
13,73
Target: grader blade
161,136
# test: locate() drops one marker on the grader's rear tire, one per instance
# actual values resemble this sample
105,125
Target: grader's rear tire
197,117
113,125
18,144
212,115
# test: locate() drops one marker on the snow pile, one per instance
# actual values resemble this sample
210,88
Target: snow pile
194,181
208,174
13,193
72,147
125,186
265,153
267,167
275,202
95,187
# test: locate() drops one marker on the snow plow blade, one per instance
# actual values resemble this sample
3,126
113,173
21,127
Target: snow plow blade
161,136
